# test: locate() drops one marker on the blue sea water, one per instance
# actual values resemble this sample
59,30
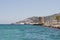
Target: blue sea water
28,32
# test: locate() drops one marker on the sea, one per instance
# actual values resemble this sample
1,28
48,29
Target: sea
28,32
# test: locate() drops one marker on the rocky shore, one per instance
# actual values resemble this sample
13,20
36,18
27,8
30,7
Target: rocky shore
53,26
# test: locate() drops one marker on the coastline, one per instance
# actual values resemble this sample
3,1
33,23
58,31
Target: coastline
52,26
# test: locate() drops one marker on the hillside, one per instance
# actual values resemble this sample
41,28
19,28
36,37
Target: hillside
36,19
29,20
52,17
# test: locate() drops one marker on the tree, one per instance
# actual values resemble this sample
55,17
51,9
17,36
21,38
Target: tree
58,18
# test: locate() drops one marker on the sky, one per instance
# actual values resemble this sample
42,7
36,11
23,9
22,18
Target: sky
12,11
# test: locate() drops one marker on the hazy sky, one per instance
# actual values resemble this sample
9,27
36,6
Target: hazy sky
15,10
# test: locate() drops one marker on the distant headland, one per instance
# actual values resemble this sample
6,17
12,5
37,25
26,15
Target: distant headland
48,21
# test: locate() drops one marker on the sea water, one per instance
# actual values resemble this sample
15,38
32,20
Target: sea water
28,32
